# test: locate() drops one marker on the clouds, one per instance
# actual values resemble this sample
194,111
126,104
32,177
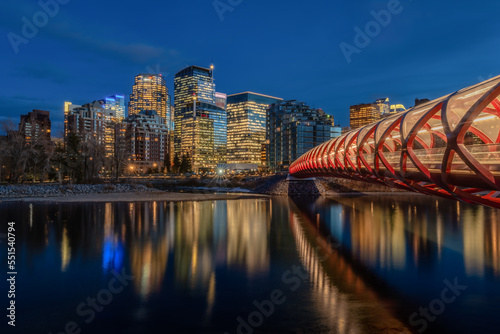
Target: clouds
111,47
85,33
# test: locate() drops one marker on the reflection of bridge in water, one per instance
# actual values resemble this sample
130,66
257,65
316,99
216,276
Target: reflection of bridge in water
339,293
448,147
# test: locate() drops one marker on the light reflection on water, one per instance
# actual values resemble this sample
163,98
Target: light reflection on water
198,266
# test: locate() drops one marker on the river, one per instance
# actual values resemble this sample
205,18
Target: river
395,264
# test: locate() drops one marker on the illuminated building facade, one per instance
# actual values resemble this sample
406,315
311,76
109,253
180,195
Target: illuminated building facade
149,93
204,136
293,129
336,131
92,121
192,84
35,126
246,128
148,138
115,103
382,105
363,114
68,108
200,119
395,108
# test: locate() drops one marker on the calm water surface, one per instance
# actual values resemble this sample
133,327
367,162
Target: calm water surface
347,265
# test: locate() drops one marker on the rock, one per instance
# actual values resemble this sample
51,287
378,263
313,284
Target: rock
51,190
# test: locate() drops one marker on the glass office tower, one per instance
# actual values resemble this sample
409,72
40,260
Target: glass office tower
149,93
200,119
293,129
204,137
246,127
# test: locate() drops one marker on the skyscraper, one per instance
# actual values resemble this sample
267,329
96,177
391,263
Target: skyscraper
200,124
293,129
246,127
35,126
115,103
149,93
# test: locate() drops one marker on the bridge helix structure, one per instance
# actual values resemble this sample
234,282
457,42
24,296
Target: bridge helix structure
449,147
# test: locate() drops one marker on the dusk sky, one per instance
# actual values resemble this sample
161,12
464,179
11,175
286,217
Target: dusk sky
290,49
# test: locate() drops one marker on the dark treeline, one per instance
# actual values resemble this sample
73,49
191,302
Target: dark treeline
72,161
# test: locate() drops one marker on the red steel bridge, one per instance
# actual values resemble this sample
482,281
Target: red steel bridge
448,147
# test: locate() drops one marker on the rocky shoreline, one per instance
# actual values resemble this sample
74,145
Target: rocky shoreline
52,190
277,185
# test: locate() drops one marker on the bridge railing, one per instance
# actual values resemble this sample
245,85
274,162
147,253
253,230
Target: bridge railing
448,147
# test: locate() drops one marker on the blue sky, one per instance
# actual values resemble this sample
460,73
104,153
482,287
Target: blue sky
290,49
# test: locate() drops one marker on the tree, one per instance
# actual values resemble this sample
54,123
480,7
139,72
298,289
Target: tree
177,164
39,155
121,154
73,159
15,152
93,154
166,163
59,162
185,164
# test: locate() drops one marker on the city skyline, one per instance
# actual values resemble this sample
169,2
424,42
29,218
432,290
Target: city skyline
61,62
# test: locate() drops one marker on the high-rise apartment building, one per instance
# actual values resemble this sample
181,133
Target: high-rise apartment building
35,126
293,129
246,128
148,139
149,93
92,122
200,119
115,103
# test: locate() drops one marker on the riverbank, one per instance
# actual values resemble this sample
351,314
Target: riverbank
150,196
191,189
56,190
